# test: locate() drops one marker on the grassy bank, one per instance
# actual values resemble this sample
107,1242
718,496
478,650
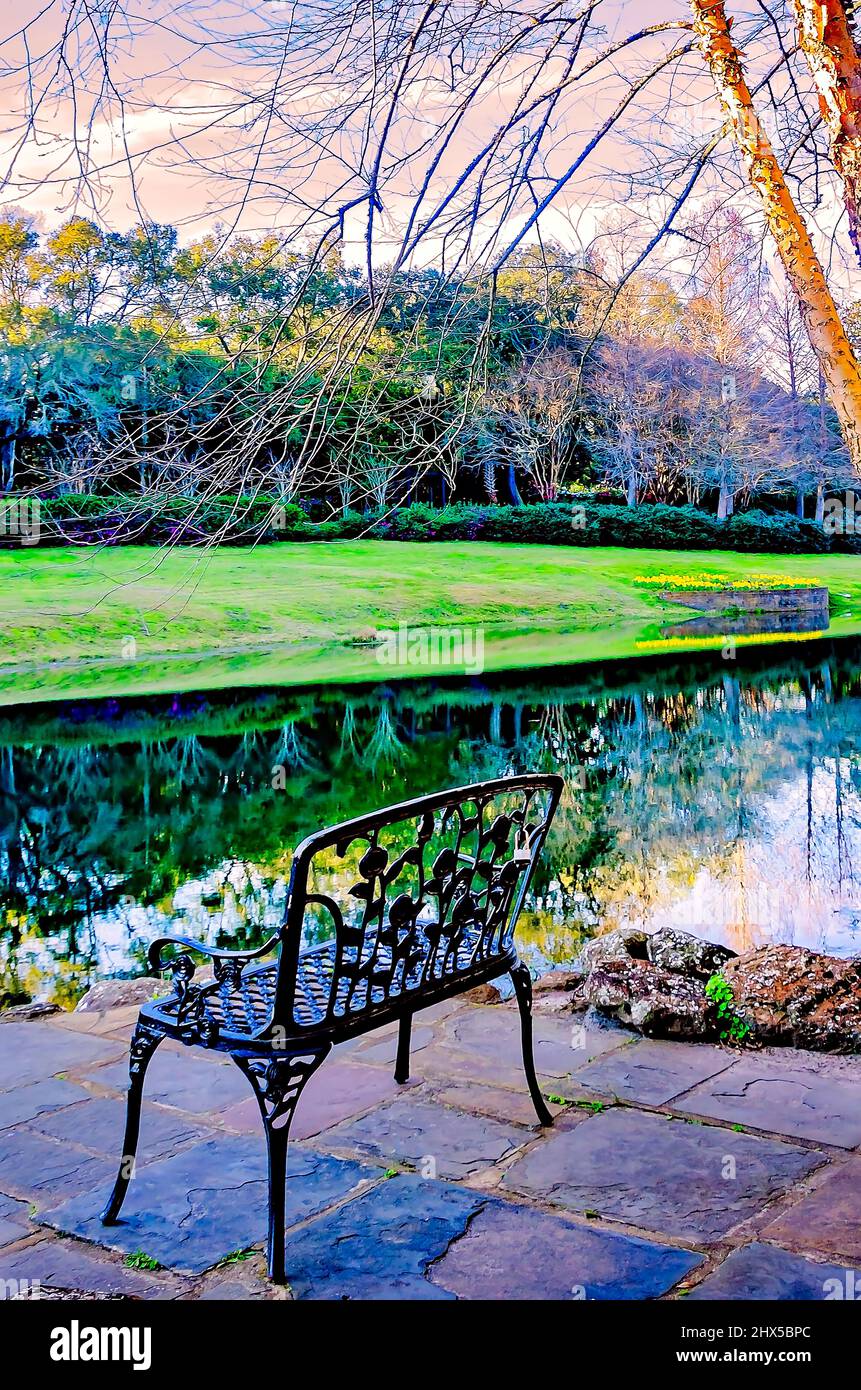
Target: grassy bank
143,620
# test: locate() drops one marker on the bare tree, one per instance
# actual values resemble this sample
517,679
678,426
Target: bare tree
827,34
534,410
409,133
632,391
794,244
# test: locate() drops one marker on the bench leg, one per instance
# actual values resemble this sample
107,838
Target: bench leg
522,981
145,1040
402,1061
278,1083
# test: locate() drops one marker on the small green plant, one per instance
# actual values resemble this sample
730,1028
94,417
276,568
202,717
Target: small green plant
391,1172
719,991
237,1256
138,1260
595,1106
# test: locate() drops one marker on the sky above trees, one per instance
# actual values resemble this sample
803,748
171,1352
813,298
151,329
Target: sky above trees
274,114
397,135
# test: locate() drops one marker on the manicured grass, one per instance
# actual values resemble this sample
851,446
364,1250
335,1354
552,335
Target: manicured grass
137,619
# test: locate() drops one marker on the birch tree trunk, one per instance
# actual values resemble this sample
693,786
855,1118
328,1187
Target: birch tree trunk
830,47
804,271
631,489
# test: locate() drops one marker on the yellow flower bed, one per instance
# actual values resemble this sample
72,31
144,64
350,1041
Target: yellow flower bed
745,639
725,581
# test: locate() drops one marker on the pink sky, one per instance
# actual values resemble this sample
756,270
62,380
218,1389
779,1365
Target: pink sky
190,112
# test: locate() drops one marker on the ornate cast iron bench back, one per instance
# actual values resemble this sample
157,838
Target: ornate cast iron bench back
413,903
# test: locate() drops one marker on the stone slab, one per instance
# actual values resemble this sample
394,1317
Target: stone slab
512,1107
35,1167
761,1271
380,1246
26,1102
514,1253
439,1141
99,1123
34,1051
189,1080
14,1220
492,1036
191,1210
653,1072
796,1094
68,1266
692,1181
828,1220
383,1050
337,1092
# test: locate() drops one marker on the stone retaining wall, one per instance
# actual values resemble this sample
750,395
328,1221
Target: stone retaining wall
814,597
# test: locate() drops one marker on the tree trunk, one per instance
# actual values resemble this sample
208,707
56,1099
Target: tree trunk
820,504
828,43
631,495
7,463
827,335
799,503
489,477
512,487
725,503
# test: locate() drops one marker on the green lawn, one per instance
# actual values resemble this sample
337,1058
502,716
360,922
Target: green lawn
138,619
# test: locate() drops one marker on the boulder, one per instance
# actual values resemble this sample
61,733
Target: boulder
622,944
557,979
803,998
28,1013
483,994
558,992
115,994
659,1002
676,950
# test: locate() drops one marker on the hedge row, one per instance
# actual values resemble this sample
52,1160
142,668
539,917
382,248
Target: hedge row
119,521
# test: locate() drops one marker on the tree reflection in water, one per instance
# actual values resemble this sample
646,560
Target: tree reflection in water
718,797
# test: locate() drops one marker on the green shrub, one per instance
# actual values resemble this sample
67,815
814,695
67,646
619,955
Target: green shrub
245,521
778,533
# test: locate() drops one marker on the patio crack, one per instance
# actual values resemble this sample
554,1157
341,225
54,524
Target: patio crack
434,1260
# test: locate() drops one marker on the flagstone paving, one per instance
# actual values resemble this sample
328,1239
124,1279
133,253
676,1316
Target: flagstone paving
767,1272
828,1219
440,1142
513,1252
96,1123
27,1102
671,1169
13,1219
810,1097
653,1072
191,1210
686,1180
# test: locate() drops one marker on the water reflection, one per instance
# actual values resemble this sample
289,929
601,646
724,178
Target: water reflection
718,797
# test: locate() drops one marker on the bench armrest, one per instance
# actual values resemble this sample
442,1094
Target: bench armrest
157,965
227,969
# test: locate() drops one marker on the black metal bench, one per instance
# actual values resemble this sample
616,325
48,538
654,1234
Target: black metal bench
418,901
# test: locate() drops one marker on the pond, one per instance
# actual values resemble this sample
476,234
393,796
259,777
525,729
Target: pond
719,796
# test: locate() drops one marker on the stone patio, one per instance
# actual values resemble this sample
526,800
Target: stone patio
672,1170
